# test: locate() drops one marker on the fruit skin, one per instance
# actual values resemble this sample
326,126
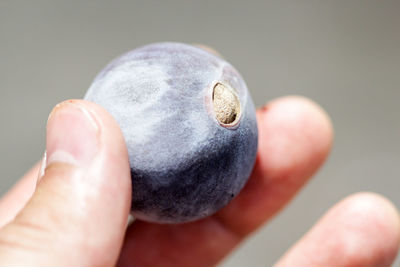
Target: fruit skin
184,164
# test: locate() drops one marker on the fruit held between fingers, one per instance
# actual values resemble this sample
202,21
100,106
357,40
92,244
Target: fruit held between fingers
189,124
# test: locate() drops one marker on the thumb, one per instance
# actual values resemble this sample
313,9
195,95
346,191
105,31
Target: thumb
78,213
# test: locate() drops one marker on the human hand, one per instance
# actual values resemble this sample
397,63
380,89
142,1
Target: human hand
77,214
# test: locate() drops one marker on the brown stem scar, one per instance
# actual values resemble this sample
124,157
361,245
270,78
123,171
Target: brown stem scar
226,105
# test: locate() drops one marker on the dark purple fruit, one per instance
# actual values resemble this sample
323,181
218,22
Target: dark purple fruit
189,124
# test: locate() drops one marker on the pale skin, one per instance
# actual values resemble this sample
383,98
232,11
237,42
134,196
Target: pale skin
76,214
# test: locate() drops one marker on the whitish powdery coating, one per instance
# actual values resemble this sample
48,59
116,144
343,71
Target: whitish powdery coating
185,163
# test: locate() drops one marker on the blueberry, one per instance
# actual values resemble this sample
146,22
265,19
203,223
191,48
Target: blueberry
190,128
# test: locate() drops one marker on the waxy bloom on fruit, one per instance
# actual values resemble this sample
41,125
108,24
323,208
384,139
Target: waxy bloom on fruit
189,124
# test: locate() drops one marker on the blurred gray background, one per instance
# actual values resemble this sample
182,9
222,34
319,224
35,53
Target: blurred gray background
345,55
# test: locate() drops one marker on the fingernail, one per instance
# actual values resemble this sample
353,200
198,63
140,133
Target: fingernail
72,135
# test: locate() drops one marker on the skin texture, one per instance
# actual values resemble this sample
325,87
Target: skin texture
185,162
35,232
362,241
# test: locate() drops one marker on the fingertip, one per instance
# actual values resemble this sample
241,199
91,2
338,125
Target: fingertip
361,230
304,130
375,224
113,152
375,206
111,165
